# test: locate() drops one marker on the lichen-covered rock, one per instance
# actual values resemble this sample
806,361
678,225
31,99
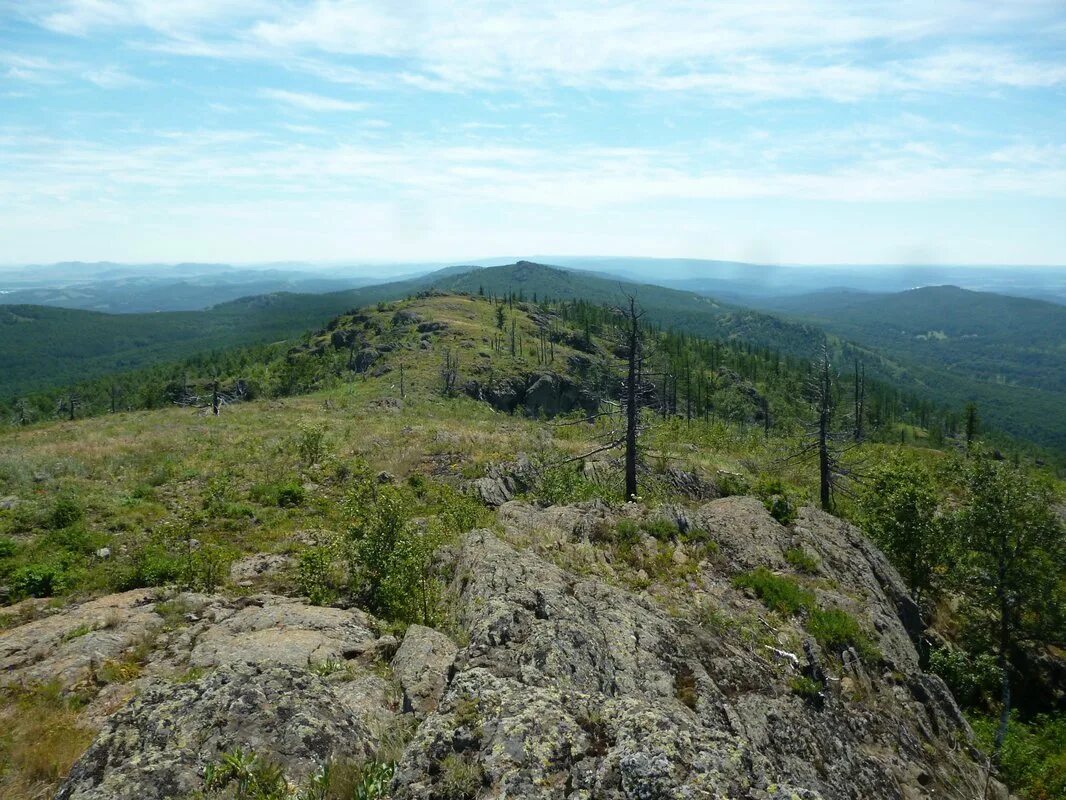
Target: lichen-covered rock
160,743
421,666
574,688
71,645
270,629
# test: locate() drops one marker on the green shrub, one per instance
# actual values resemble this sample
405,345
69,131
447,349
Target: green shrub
805,687
8,547
314,572
247,776
1033,759
311,443
801,560
777,592
152,565
38,580
776,498
75,539
565,483
731,483
626,534
65,512
835,630
284,495
973,679
391,558
460,779
661,528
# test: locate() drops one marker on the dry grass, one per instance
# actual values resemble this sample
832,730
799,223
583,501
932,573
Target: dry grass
42,738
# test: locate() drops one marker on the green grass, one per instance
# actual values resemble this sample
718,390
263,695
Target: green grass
777,592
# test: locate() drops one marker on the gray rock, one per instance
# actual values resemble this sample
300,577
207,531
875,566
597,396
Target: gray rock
365,358
573,688
421,665
160,743
8,503
245,571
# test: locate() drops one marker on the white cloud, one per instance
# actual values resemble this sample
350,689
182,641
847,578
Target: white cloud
112,78
755,49
311,102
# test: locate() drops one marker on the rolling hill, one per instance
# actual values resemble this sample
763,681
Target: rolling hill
44,348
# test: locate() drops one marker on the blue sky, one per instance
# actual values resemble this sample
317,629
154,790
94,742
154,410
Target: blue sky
786,132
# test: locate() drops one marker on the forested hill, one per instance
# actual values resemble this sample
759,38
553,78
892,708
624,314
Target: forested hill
44,347
989,336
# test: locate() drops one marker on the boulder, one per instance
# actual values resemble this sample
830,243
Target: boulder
421,665
365,358
159,745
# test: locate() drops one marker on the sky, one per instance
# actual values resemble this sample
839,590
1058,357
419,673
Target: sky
779,132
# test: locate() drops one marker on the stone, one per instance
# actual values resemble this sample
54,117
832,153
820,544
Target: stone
421,665
245,571
159,744
9,503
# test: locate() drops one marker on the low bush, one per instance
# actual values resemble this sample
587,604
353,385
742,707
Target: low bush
39,580
65,512
835,630
801,560
777,592
777,499
1033,759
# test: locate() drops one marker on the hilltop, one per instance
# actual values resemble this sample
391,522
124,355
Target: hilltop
403,554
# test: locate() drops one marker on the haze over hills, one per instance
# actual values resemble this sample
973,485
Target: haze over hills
133,288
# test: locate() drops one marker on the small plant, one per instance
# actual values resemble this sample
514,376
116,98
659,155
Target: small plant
330,666
626,534
251,777
835,630
38,580
776,498
290,495
311,444
805,687
65,513
467,714
8,547
460,779
662,529
77,633
119,671
801,560
777,592
313,575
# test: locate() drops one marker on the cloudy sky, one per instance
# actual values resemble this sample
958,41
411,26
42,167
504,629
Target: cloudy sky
763,130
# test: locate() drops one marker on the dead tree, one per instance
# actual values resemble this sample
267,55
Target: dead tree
823,441
68,405
632,392
449,373
214,400
860,398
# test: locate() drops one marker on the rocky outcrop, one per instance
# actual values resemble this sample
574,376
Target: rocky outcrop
541,394
578,679
571,687
159,745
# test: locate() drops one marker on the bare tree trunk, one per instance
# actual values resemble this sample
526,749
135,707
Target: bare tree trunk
632,413
1004,661
216,400
824,466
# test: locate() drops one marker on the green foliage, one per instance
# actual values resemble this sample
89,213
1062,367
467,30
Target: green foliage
898,509
311,443
566,483
778,593
801,560
314,575
251,777
835,630
1013,557
8,547
392,558
973,679
776,498
660,528
460,778
65,512
370,780
38,580
288,494
1033,758
805,687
